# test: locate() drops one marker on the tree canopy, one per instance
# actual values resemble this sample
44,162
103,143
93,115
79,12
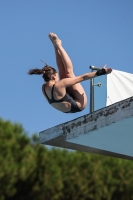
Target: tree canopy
28,170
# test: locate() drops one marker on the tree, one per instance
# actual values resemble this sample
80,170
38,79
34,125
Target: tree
28,170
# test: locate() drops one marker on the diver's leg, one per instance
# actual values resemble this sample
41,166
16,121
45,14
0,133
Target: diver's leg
59,62
76,90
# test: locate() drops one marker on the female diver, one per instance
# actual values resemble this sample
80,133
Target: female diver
65,94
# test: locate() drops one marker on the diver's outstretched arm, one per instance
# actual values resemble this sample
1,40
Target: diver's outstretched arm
67,82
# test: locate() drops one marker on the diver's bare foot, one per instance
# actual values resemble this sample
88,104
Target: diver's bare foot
55,40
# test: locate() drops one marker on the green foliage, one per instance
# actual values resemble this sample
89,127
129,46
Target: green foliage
28,170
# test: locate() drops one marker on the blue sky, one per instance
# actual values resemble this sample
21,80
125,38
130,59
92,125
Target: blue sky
94,32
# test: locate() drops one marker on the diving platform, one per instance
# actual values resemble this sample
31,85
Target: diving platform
108,131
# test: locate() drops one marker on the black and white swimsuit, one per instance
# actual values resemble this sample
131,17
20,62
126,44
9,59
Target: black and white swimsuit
66,98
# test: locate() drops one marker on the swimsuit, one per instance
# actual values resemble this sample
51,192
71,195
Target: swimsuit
66,98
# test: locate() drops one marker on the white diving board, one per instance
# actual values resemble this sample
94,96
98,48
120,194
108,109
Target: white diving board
108,131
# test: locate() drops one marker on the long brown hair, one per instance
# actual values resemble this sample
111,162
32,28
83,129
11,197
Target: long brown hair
47,72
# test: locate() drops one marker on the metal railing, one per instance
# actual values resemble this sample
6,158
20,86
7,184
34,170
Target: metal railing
92,88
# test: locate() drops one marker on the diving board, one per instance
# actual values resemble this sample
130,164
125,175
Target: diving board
108,131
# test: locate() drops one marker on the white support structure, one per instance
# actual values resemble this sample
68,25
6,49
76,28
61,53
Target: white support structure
108,131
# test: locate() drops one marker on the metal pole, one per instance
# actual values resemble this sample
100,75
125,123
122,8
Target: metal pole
92,89
92,95
94,68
